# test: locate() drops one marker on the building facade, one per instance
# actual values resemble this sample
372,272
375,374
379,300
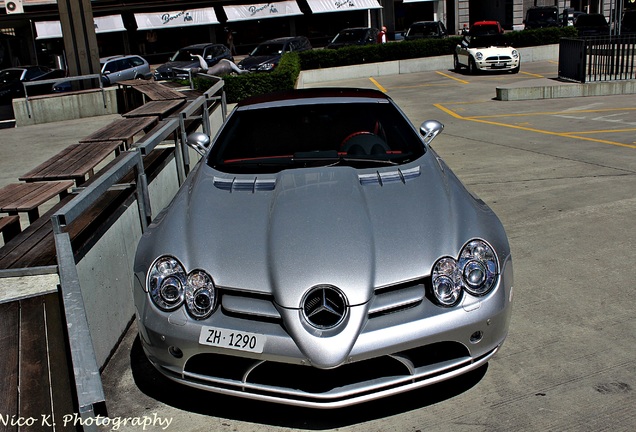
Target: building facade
31,32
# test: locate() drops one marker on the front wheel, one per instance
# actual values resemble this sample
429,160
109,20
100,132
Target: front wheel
515,70
472,67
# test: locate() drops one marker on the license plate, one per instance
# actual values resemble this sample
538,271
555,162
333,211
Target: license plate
499,65
232,339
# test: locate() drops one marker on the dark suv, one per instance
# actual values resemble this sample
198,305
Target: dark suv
354,36
267,55
541,17
425,30
592,25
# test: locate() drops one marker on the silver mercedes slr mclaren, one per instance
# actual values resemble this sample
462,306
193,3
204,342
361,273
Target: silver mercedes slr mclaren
321,254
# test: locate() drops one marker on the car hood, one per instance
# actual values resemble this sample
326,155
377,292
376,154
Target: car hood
184,64
254,61
283,234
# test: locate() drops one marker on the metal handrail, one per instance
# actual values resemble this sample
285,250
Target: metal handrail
90,394
54,81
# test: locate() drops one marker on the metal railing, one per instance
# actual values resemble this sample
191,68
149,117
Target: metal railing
596,59
54,81
90,394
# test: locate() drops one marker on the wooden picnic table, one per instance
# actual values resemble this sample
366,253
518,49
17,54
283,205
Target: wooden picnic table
156,91
75,162
159,108
123,129
28,197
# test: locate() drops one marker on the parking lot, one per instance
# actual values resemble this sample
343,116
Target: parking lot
561,175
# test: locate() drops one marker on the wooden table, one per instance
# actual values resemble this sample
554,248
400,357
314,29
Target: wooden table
75,162
159,108
27,197
157,91
123,129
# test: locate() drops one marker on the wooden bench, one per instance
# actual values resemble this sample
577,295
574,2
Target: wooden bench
35,367
35,245
75,162
28,197
9,227
123,129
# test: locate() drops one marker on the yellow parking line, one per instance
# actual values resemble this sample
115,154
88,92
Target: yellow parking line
378,85
566,135
531,74
452,77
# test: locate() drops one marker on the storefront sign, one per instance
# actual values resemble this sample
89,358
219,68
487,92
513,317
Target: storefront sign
184,18
321,6
263,10
53,29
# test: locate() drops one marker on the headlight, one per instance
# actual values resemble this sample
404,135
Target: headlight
475,272
479,267
166,283
170,287
200,294
515,54
266,66
446,282
479,56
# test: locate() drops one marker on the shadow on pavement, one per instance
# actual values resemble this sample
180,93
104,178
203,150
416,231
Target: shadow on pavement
155,385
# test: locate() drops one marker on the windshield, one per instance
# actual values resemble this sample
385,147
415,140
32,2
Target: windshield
186,54
270,140
9,75
486,41
268,49
542,15
348,36
424,29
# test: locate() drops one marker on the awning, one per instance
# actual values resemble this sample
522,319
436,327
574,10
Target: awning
53,29
183,18
321,6
263,10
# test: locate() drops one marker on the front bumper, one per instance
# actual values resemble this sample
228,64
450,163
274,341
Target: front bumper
395,352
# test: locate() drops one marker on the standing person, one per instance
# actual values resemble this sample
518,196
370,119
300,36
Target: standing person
151,42
230,40
382,35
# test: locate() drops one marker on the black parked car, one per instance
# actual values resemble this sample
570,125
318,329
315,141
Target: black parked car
592,25
426,29
541,17
186,59
354,36
12,79
266,55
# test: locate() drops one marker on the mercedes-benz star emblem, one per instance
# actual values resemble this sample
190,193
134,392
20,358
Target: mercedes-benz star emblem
324,307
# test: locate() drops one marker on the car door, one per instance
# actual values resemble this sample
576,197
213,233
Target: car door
462,50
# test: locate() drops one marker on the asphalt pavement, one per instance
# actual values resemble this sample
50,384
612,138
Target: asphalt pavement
561,175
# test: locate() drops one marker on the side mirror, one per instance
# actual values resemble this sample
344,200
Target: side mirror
199,141
430,129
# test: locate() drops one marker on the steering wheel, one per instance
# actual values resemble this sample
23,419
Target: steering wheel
363,143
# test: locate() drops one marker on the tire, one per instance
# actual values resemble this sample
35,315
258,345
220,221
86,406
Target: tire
515,70
472,67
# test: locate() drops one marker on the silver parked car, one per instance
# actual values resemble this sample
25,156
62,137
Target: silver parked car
123,67
321,254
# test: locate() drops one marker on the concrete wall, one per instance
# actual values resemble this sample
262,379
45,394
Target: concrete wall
63,106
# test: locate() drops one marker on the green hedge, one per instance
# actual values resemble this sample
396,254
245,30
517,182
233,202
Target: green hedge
239,87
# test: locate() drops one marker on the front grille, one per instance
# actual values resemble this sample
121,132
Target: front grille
499,59
306,383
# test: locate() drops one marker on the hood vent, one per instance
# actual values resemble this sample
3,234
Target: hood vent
385,177
244,185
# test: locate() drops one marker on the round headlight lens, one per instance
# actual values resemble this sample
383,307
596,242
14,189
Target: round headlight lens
166,281
515,54
479,56
200,294
447,287
478,265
